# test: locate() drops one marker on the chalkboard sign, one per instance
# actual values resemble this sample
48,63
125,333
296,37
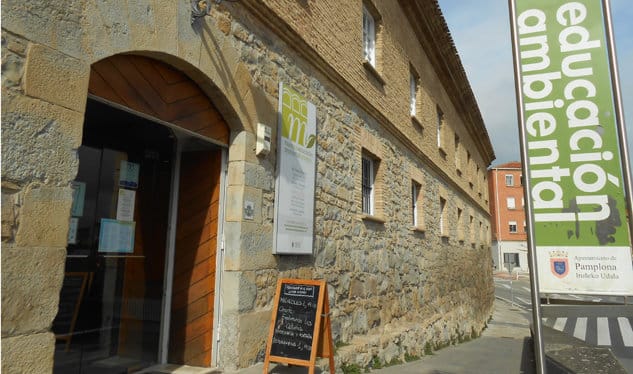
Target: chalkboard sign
300,321
70,297
295,321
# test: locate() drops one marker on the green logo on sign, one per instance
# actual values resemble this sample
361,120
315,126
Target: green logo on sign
294,114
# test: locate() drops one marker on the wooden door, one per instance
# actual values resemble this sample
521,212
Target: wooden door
193,294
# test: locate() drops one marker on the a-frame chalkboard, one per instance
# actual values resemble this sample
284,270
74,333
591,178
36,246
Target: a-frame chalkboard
70,297
300,329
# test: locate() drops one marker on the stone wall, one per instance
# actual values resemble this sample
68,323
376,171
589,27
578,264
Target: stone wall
41,128
393,288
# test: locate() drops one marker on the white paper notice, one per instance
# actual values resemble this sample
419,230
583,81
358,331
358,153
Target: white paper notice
125,205
116,236
72,230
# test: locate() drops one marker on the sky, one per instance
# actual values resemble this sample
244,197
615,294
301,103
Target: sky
481,31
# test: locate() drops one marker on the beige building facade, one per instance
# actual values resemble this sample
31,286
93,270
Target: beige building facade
137,218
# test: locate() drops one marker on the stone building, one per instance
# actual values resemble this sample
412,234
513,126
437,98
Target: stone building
507,208
138,213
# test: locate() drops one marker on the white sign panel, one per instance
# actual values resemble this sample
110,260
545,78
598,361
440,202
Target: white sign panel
128,176
79,197
571,142
296,165
125,205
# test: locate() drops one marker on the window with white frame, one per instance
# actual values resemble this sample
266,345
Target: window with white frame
413,93
458,159
369,36
460,224
512,226
443,223
415,197
368,178
440,121
511,203
509,180
511,258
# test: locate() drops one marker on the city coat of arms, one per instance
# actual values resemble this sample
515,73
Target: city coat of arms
559,263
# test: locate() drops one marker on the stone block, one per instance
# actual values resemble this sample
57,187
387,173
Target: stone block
243,147
242,203
31,281
28,354
56,77
38,135
9,198
248,246
254,334
12,70
239,291
44,216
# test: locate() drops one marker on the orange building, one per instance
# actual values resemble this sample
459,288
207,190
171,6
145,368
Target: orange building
509,238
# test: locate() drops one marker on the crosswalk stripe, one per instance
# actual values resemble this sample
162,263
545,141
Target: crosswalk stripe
604,338
627,332
560,323
580,330
526,289
522,300
505,285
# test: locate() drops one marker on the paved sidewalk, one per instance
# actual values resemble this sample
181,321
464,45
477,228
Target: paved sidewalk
504,347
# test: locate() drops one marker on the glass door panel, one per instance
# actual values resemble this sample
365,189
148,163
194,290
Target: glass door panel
110,303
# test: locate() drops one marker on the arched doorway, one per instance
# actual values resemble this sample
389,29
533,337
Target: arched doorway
141,268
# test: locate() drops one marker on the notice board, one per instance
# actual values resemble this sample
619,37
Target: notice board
300,329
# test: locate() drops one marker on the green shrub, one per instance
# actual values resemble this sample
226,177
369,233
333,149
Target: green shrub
428,349
375,363
408,357
350,369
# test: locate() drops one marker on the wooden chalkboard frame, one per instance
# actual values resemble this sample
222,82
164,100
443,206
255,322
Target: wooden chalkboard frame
86,279
321,334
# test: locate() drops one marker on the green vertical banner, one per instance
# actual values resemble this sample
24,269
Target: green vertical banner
571,147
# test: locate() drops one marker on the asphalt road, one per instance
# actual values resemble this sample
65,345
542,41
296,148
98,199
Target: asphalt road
590,319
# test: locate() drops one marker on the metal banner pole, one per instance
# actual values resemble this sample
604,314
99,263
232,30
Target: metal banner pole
537,326
619,114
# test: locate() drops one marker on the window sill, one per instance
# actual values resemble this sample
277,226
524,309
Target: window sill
372,70
416,122
418,229
371,218
442,152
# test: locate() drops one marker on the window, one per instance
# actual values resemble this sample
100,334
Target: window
511,203
369,37
443,223
440,121
471,228
368,185
511,259
460,225
458,160
509,180
413,93
512,226
415,195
